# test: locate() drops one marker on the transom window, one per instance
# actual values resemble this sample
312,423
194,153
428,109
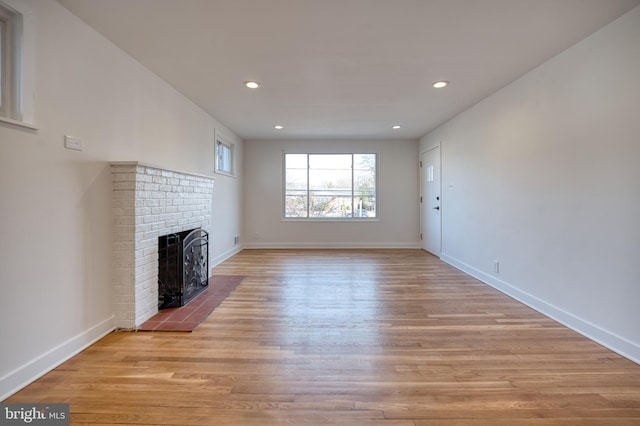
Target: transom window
330,186
224,157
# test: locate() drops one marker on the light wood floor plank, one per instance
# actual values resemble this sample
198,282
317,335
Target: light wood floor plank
350,337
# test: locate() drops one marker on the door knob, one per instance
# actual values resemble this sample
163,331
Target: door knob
436,208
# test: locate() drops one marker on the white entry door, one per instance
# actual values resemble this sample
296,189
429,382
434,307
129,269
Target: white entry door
430,206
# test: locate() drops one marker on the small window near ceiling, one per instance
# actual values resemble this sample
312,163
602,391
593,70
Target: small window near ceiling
10,45
224,157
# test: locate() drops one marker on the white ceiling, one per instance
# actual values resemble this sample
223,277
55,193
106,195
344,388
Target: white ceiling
342,68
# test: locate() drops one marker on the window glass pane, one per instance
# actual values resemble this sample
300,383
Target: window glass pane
296,179
224,158
329,204
330,161
330,179
296,185
364,180
296,204
364,205
364,162
296,161
330,185
3,60
364,185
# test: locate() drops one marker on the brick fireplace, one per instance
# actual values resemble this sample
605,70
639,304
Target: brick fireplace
148,202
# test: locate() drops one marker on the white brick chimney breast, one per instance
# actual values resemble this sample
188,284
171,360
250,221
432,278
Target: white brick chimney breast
148,202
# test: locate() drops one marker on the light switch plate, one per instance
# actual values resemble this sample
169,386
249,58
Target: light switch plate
71,142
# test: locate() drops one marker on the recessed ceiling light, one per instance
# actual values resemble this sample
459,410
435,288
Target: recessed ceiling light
396,127
252,84
440,84
278,127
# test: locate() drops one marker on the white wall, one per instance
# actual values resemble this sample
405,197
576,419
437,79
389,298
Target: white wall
544,176
398,226
55,213
227,205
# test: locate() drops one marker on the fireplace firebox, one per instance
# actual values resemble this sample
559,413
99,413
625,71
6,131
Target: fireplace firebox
183,260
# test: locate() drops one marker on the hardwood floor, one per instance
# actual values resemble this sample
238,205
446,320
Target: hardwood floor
350,337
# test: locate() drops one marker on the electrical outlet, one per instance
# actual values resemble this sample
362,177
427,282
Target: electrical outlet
496,266
73,143
236,240
256,235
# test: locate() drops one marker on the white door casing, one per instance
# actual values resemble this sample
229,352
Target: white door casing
431,206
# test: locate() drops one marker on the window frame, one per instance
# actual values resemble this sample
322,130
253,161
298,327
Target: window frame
222,141
310,218
10,63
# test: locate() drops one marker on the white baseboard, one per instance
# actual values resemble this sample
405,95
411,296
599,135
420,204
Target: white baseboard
332,246
224,256
620,345
38,367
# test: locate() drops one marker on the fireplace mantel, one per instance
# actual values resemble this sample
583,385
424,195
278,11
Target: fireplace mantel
150,201
157,167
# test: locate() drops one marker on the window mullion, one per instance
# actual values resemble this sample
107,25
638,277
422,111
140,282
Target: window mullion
308,191
353,173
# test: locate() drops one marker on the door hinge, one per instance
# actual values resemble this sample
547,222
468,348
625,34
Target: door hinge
420,199
420,163
421,236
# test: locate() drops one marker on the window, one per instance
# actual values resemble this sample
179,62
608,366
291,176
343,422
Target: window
325,186
10,31
224,157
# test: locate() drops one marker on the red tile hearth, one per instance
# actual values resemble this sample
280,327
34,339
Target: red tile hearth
188,317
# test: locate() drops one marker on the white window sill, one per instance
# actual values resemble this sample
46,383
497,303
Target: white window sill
18,123
220,172
330,219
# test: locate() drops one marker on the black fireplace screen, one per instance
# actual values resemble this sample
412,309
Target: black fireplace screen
183,260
